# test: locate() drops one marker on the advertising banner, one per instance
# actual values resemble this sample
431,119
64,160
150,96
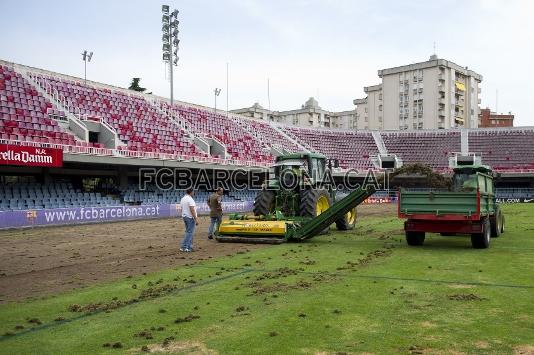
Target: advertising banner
515,200
80,215
30,156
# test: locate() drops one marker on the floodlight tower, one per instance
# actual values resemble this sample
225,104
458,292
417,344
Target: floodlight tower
217,91
170,40
86,57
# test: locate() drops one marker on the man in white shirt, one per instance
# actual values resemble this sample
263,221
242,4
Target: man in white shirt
189,214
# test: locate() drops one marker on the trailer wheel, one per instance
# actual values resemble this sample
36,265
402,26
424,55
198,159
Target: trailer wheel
348,221
415,238
496,224
482,240
502,223
264,203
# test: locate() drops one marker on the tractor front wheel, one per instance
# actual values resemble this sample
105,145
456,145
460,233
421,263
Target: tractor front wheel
348,221
264,203
313,203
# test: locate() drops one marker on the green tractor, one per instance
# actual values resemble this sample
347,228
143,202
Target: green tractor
300,185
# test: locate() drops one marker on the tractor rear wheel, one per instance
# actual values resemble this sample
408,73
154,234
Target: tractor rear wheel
415,238
348,221
482,240
313,202
264,203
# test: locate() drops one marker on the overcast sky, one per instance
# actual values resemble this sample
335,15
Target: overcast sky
327,49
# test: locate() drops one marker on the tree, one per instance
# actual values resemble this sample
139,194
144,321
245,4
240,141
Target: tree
135,85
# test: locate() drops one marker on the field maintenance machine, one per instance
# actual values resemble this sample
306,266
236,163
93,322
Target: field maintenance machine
470,208
297,202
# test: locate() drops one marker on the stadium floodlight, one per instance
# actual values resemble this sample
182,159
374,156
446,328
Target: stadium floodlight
86,57
170,40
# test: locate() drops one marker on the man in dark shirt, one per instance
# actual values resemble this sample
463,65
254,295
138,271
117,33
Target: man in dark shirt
214,202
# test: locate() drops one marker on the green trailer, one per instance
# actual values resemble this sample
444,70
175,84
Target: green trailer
469,209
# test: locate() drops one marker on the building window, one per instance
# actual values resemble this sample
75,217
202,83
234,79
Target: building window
379,107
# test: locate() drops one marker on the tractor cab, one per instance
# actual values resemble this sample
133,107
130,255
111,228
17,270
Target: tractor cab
308,168
472,177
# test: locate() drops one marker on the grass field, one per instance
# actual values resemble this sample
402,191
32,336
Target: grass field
364,291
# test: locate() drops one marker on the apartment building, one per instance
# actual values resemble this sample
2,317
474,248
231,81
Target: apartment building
488,118
436,94
369,108
309,115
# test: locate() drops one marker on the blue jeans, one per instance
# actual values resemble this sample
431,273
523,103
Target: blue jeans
187,242
214,224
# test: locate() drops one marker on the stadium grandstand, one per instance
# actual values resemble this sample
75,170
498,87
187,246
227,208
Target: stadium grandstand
104,135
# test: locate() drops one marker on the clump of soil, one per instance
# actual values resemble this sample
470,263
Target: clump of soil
167,341
75,308
117,345
59,319
34,321
19,327
414,349
432,179
241,309
372,255
279,273
187,318
260,289
149,293
308,262
273,334
144,334
465,297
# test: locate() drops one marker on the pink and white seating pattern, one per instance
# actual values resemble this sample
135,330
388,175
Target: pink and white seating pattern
239,143
352,149
25,115
431,148
137,122
504,149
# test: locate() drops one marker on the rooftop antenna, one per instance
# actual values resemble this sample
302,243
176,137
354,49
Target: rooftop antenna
497,101
268,94
226,89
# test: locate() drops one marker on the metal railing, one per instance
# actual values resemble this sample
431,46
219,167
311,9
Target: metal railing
124,153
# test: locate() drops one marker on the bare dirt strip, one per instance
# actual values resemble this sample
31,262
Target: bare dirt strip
44,261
